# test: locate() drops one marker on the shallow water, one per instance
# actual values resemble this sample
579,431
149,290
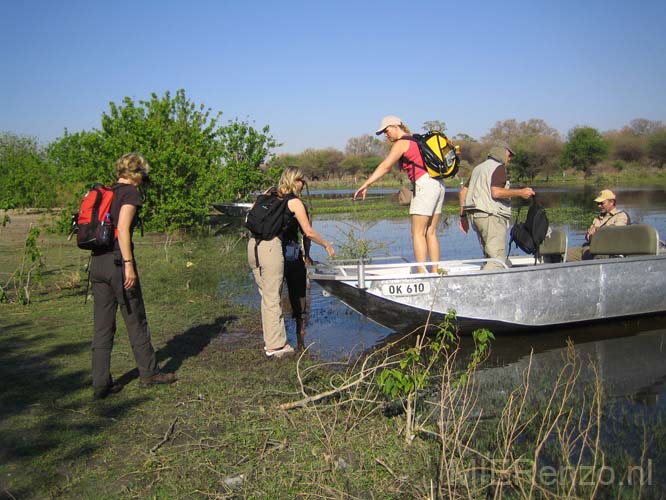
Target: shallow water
334,331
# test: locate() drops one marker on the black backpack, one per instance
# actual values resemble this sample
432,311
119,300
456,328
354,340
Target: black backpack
529,235
266,218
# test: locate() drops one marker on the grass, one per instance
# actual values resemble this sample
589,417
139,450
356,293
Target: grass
220,431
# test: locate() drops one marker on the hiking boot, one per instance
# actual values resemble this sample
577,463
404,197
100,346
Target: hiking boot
157,379
102,392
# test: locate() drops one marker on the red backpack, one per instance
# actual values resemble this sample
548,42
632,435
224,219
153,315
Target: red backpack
93,225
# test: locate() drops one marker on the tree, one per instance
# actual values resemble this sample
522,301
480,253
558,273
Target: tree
545,154
536,127
322,163
642,126
26,178
472,152
464,137
79,159
523,165
244,151
538,155
513,132
366,145
277,165
656,147
585,147
504,131
181,141
626,145
355,165
194,160
434,125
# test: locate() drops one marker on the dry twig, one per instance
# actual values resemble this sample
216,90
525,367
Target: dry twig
167,434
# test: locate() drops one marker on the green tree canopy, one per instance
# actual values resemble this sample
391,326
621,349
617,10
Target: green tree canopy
656,147
355,165
522,164
321,163
194,160
244,151
26,178
585,147
79,159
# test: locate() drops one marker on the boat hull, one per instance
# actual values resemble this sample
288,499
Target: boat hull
509,300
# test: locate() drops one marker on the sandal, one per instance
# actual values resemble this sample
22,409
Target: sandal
278,353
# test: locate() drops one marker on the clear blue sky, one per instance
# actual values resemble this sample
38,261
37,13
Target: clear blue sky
319,73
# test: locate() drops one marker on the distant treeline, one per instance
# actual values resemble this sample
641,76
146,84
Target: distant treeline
539,148
196,161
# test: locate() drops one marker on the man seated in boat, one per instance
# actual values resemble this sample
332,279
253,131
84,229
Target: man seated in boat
486,198
609,215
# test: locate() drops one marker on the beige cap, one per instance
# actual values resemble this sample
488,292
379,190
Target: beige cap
387,121
508,148
604,195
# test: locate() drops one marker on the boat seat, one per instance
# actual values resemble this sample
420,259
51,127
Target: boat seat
635,239
554,247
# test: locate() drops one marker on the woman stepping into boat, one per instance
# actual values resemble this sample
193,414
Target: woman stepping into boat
426,205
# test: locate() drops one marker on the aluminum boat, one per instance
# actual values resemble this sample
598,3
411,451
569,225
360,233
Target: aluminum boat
525,293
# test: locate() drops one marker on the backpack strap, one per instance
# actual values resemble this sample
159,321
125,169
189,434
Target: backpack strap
611,217
414,165
511,240
139,221
256,253
537,254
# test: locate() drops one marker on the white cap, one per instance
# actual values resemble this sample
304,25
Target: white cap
387,121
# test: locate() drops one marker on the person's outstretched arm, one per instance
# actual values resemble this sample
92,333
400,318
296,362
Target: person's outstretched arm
397,150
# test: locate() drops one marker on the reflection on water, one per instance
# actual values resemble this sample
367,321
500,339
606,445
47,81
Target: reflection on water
630,357
630,352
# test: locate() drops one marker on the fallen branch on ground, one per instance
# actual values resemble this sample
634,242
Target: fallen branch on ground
167,434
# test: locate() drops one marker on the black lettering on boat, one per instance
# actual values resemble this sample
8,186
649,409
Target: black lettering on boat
403,289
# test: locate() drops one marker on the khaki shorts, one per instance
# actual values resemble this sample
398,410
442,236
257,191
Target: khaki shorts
429,197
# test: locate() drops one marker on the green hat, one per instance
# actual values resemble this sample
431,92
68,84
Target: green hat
497,150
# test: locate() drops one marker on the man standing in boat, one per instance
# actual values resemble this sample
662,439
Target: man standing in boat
486,198
609,215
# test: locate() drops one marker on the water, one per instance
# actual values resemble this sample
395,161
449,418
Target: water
334,331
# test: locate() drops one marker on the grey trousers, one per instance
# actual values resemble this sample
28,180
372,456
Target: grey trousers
106,276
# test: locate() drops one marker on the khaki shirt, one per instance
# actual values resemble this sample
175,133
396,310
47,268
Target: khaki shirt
613,218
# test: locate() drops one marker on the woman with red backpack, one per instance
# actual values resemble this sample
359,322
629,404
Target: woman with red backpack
115,283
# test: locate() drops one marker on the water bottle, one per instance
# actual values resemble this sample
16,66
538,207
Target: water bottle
105,233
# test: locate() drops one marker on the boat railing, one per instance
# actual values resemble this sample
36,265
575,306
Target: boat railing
361,271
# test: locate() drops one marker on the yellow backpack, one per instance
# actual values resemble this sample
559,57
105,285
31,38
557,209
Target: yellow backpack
439,154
